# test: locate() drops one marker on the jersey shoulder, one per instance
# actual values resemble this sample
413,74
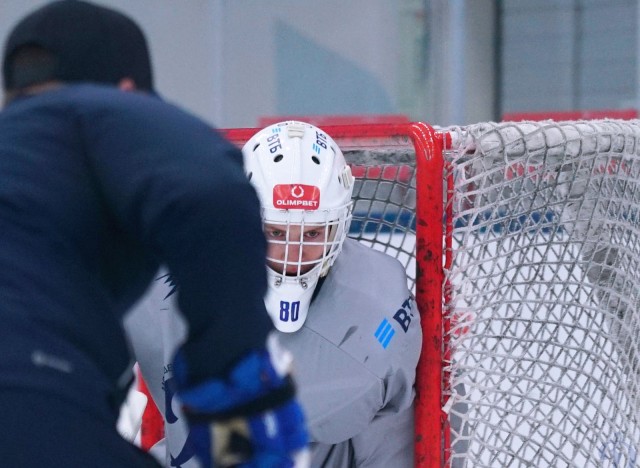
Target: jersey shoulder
372,277
366,310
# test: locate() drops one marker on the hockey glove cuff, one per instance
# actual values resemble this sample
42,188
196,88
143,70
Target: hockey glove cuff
250,418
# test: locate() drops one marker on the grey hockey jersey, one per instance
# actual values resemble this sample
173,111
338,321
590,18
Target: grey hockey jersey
354,362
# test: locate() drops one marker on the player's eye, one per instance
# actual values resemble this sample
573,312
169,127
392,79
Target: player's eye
275,233
312,234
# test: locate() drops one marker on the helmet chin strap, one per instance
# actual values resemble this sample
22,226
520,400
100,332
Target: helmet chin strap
288,298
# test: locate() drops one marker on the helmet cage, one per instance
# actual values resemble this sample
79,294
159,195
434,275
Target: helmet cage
333,225
305,186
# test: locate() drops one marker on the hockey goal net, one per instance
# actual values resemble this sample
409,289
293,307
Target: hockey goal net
522,244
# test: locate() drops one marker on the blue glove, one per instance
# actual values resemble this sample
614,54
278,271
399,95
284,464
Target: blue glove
249,419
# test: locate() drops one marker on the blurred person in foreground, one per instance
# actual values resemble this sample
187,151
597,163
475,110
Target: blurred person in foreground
342,309
99,187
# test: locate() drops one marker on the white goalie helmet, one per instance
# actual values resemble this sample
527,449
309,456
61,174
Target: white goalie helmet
305,186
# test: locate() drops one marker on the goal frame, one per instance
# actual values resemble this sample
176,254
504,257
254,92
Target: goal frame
521,242
430,420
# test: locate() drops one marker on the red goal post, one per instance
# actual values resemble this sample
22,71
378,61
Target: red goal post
408,155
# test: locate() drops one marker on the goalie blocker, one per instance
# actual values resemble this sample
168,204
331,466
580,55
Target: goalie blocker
249,417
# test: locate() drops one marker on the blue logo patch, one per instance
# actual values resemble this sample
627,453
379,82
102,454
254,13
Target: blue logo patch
384,333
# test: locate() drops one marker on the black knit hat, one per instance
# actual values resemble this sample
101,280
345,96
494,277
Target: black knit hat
89,43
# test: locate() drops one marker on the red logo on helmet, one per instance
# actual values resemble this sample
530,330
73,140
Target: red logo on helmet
296,197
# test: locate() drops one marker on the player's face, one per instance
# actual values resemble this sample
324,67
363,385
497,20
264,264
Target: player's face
296,252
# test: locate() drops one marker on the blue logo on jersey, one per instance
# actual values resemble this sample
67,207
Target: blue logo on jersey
402,316
168,279
188,450
170,388
384,333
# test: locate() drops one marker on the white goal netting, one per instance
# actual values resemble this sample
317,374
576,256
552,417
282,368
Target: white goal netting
544,294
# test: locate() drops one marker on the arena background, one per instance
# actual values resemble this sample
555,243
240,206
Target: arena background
441,61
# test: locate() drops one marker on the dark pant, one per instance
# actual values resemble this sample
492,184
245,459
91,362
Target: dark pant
38,430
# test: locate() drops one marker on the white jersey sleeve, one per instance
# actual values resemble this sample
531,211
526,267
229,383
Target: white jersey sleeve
156,329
